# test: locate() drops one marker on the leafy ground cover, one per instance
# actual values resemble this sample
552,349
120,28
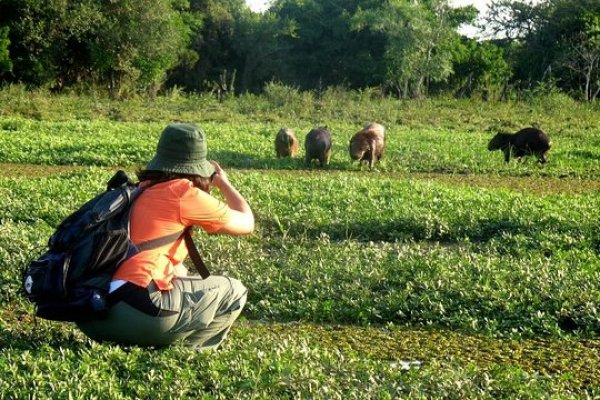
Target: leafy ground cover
408,149
484,275
299,360
401,251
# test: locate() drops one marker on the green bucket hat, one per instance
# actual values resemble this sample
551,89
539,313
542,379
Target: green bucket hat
182,149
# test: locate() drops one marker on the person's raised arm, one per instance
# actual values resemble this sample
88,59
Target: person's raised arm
242,218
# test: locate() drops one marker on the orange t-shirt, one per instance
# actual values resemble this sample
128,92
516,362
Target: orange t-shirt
161,210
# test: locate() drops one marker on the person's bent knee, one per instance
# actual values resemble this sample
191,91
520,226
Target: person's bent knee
237,286
239,293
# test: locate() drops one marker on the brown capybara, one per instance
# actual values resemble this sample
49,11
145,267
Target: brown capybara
368,144
318,146
526,142
286,143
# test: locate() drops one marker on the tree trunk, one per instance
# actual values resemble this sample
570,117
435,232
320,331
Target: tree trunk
588,79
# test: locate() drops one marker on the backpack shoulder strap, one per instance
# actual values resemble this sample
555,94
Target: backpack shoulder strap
189,242
155,243
158,242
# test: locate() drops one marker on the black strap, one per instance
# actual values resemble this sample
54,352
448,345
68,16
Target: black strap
189,242
158,242
195,254
138,298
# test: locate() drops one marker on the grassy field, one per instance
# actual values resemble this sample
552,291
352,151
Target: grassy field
446,273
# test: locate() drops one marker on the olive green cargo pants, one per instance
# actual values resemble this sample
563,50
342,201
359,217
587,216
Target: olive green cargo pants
199,311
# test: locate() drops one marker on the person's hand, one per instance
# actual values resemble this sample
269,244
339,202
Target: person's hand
241,221
219,179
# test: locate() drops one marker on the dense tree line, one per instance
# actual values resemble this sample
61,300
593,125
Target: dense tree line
407,48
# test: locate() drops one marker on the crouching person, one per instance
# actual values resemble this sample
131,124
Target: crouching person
153,302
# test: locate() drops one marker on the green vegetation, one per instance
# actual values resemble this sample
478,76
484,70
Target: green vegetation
484,275
445,273
403,48
447,136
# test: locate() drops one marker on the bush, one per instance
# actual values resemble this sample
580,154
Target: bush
283,96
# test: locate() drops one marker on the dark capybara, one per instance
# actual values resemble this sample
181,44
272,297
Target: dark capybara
286,143
368,144
528,141
318,145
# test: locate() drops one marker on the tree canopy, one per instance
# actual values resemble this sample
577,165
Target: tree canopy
407,48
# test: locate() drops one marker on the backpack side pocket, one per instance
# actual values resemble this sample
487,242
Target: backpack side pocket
44,278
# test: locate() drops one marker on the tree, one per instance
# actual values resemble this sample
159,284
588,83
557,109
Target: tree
261,41
418,36
584,61
119,44
556,40
581,54
320,47
47,39
479,68
5,62
511,19
214,28
136,43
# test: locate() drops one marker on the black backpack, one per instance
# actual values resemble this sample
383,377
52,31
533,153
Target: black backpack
70,281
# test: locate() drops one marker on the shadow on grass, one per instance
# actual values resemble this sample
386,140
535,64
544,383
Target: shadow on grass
399,229
589,155
34,337
232,159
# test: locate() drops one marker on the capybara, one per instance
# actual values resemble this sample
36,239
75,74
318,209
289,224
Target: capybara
318,145
286,143
368,144
528,141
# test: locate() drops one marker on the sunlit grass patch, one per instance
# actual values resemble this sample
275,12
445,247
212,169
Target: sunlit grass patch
250,145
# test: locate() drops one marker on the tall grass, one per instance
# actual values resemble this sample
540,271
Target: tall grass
283,104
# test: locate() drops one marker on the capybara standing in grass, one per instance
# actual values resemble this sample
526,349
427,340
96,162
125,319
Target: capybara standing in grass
318,146
528,141
367,144
286,143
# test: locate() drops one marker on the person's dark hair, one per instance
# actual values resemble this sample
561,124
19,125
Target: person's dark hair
200,182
